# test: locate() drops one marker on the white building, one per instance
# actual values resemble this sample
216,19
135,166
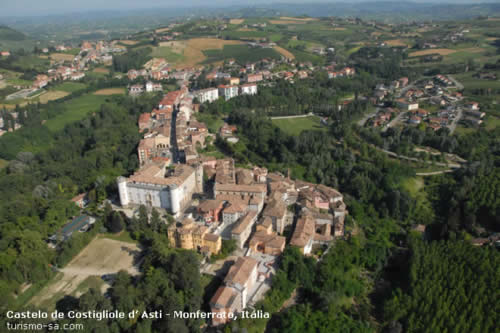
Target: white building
228,91
207,95
150,86
248,89
157,185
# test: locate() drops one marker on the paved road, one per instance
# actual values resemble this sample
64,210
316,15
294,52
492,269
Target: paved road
394,121
457,84
365,118
455,121
291,117
433,173
413,159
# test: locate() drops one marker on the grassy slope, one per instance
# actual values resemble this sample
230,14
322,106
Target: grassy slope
295,126
77,109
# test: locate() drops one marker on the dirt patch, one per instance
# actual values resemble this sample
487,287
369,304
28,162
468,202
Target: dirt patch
236,21
286,22
491,39
110,91
193,53
432,51
62,57
101,70
395,42
287,54
128,42
52,95
101,256
11,106
162,30
473,50
246,29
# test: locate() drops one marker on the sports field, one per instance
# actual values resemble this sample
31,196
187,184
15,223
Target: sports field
101,256
295,126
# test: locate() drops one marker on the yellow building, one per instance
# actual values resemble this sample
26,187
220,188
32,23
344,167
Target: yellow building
190,236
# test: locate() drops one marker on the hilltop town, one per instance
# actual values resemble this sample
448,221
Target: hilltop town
250,173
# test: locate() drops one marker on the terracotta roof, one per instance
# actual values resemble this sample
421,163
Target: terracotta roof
256,188
211,237
155,173
245,222
224,297
208,205
239,273
304,232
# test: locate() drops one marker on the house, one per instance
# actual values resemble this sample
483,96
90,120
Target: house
251,78
302,74
248,89
228,91
243,229
415,120
473,106
81,200
210,210
403,82
151,86
303,235
136,89
406,105
233,211
5,54
276,211
232,297
77,76
266,241
227,130
233,81
207,95
422,113
475,114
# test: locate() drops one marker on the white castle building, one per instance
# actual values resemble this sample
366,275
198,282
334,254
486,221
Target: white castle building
158,185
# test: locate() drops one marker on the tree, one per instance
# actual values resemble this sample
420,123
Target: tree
115,224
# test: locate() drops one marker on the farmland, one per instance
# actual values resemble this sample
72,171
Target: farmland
69,87
62,57
241,53
110,91
76,109
52,95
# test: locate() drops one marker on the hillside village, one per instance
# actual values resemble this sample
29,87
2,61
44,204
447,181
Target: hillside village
251,207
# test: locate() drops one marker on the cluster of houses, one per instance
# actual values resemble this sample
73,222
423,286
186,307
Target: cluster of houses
251,207
4,53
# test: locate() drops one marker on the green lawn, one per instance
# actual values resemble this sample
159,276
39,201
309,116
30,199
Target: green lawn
69,87
471,82
77,109
295,126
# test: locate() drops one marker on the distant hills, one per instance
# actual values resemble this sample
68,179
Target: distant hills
9,34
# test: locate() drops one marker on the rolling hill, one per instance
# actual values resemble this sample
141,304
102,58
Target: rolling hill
10,34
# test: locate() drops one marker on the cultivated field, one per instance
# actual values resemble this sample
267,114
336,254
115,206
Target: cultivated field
101,256
190,52
236,21
287,54
101,70
432,51
287,22
161,30
110,91
395,42
298,18
62,57
52,96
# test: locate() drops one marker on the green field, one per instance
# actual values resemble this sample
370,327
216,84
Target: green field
77,109
33,62
69,87
294,126
241,53
471,82
167,53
